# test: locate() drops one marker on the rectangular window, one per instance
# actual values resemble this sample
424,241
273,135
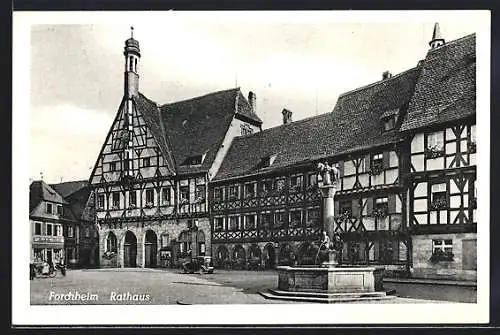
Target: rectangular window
132,199
445,246
279,219
295,218
250,221
113,166
165,196
246,129
234,222
377,162
266,219
218,194
101,201
200,193
146,162
435,145
267,186
48,229
150,197
250,190
219,223
234,192
164,240
312,180
313,217
381,207
296,183
70,231
38,228
184,194
280,184
59,210
58,230
439,199
126,164
48,208
345,208
116,200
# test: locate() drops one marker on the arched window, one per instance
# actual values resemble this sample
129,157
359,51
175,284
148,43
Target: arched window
135,64
130,63
111,242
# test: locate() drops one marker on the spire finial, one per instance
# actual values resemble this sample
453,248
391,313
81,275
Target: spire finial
437,39
132,31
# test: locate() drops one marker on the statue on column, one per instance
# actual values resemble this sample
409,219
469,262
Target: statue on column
329,173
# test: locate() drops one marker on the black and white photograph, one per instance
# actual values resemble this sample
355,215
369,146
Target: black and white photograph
251,167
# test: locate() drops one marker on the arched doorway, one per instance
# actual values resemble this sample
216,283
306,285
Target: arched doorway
307,254
130,250
269,257
150,249
221,257
286,255
239,258
254,257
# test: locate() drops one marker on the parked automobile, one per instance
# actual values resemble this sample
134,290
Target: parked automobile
201,264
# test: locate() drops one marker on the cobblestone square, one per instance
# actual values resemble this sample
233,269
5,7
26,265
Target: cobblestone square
170,286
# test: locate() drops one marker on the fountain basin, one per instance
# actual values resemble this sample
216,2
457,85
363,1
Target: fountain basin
331,279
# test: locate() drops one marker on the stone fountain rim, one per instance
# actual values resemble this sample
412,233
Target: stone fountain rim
330,268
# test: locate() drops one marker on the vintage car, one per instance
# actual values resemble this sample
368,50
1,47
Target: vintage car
201,264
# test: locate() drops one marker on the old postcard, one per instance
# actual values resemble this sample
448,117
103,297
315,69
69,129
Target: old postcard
238,167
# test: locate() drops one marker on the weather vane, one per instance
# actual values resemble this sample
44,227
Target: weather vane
132,31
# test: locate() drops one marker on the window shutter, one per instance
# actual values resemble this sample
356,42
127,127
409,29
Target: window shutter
391,199
336,207
369,206
341,168
356,209
386,159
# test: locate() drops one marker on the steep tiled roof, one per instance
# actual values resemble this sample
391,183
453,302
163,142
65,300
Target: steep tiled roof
67,188
446,89
40,191
353,125
197,126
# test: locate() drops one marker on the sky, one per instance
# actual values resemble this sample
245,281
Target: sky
76,72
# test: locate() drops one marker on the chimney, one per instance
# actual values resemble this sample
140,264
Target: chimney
252,99
386,75
287,116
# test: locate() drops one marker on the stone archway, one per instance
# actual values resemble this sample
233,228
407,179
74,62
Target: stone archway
254,257
130,250
221,257
239,257
150,249
269,257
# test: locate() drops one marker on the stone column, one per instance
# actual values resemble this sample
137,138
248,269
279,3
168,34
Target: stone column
328,204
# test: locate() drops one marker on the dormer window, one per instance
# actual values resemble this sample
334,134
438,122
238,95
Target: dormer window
267,161
48,208
194,160
59,210
389,123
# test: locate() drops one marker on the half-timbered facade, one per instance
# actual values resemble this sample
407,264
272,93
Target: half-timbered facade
265,205
150,178
440,127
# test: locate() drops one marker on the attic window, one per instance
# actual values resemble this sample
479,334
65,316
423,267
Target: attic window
194,160
268,161
389,123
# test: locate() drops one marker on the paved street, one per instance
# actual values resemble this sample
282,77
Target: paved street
158,287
